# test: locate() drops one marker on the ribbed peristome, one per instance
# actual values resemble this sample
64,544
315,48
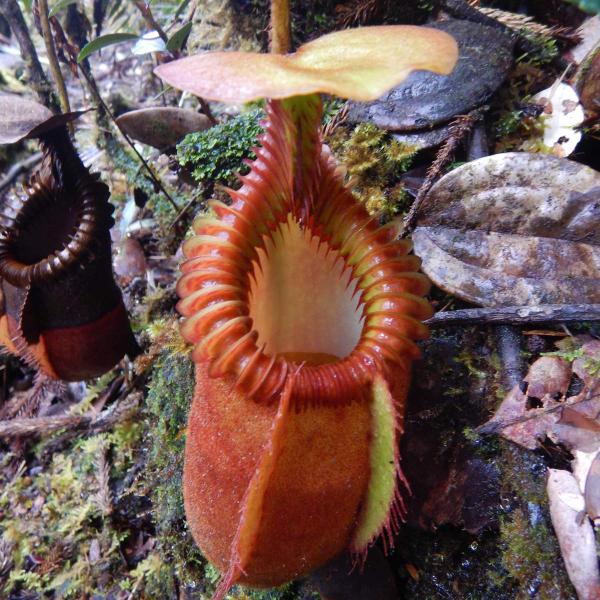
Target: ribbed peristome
299,183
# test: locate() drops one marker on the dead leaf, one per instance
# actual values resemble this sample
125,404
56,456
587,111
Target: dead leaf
19,117
575,535
130,260
570,416
592,490
22,118
162,126
465,497
546,381
587,82
538,408
514,229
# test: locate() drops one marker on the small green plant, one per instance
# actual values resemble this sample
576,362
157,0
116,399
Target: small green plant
215,155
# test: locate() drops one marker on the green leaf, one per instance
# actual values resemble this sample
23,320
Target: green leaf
103,41
177,40
59,6
182,6
591,6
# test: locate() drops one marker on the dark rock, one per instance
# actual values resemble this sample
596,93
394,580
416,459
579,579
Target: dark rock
424,138
426,99
342,580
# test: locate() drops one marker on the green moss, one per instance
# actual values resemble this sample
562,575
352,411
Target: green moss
374,161
569,349
216,155
51,517
469,360
544,51
531,559
509,123
170,393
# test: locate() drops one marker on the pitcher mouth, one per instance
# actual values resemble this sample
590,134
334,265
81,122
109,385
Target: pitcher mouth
242,259
52,230
303,300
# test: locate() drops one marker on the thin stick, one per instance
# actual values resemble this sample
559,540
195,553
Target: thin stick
493,427
53,59
35,74
90,421
458,130
280,27
558,313
154,178
182,212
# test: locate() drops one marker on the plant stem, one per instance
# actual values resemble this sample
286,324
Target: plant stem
150,20
280,27
93,88
35,74
53,58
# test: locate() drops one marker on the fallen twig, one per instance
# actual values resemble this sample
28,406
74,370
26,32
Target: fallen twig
560,313
92,422
495,427
182,212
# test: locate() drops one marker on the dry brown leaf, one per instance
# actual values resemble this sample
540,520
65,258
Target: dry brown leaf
19,116
592,490
587,82
575,534
162,126
537,408
514,229
547,379
22,118
130,260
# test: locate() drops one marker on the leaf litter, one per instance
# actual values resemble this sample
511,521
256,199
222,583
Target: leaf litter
559,400
514,229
